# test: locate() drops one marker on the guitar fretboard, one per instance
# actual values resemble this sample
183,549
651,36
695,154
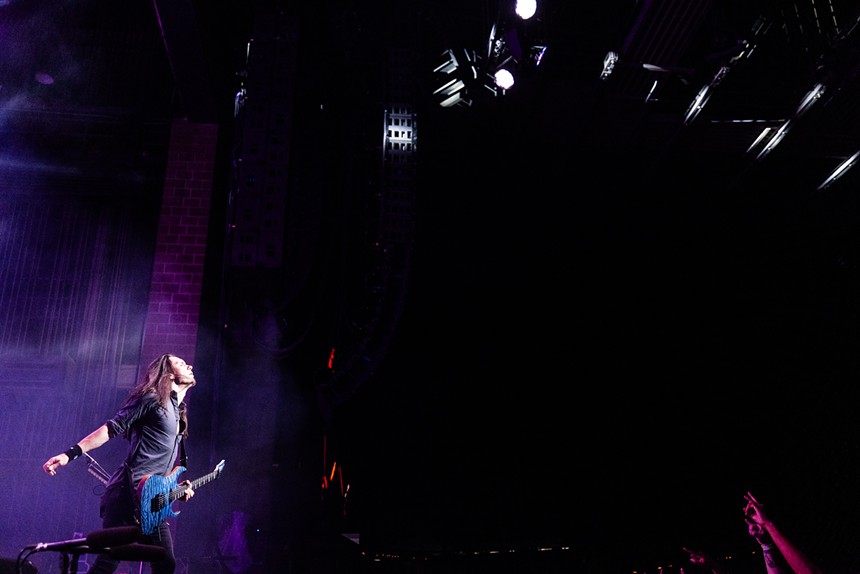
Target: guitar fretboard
177,493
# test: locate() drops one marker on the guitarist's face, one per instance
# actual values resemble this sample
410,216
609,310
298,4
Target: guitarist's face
183,372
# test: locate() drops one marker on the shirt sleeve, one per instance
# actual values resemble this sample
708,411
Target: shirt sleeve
128,414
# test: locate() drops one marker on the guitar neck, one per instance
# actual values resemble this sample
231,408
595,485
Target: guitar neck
178,492
204,479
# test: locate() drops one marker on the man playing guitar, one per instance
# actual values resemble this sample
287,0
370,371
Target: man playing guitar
154,420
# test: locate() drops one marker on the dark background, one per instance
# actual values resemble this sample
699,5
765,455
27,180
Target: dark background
615,324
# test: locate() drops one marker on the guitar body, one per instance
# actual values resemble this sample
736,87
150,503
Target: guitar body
156,494
153,492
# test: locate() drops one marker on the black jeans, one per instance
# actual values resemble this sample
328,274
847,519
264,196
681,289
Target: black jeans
104,564
117,508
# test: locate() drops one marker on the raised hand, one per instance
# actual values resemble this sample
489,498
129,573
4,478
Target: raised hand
754,515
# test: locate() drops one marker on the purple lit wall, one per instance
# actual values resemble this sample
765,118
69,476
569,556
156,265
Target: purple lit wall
100,271
177,275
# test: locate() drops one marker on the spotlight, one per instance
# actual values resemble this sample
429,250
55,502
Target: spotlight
454,74
526,8
504,79
609,64
840,170
514,49
536,55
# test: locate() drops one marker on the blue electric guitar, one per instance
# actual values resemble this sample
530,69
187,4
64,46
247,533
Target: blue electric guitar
157,494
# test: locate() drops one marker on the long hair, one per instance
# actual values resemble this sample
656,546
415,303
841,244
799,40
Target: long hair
158,379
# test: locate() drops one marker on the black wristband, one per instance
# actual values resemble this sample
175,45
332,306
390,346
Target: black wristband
74,452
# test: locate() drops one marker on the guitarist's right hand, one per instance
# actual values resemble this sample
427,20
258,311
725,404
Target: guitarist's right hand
93,440
55,462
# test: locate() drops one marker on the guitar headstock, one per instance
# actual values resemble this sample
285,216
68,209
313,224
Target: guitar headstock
219,468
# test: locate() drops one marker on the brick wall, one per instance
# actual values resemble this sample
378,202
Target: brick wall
177,274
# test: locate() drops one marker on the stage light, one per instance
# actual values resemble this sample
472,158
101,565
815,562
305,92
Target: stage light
536,55
512,52
609,63
841,170
775,139
526,8
454,75
701,99
811,98
504,79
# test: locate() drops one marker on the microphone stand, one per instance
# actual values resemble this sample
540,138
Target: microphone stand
118,543
69,559
67,565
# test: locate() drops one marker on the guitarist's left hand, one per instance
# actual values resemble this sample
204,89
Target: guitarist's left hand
189,492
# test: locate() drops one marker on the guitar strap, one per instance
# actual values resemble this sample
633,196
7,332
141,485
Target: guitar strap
183,456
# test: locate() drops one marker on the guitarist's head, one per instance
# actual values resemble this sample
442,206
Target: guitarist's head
165,375
181,373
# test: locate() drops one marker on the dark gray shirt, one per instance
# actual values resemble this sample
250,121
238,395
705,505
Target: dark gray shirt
153,434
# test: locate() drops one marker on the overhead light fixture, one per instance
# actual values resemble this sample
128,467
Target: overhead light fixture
701,99
775,139
510,53
609,63
525,9
761,138
811,97
504,79
512,49
535,55
454,75
697,105
840,170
